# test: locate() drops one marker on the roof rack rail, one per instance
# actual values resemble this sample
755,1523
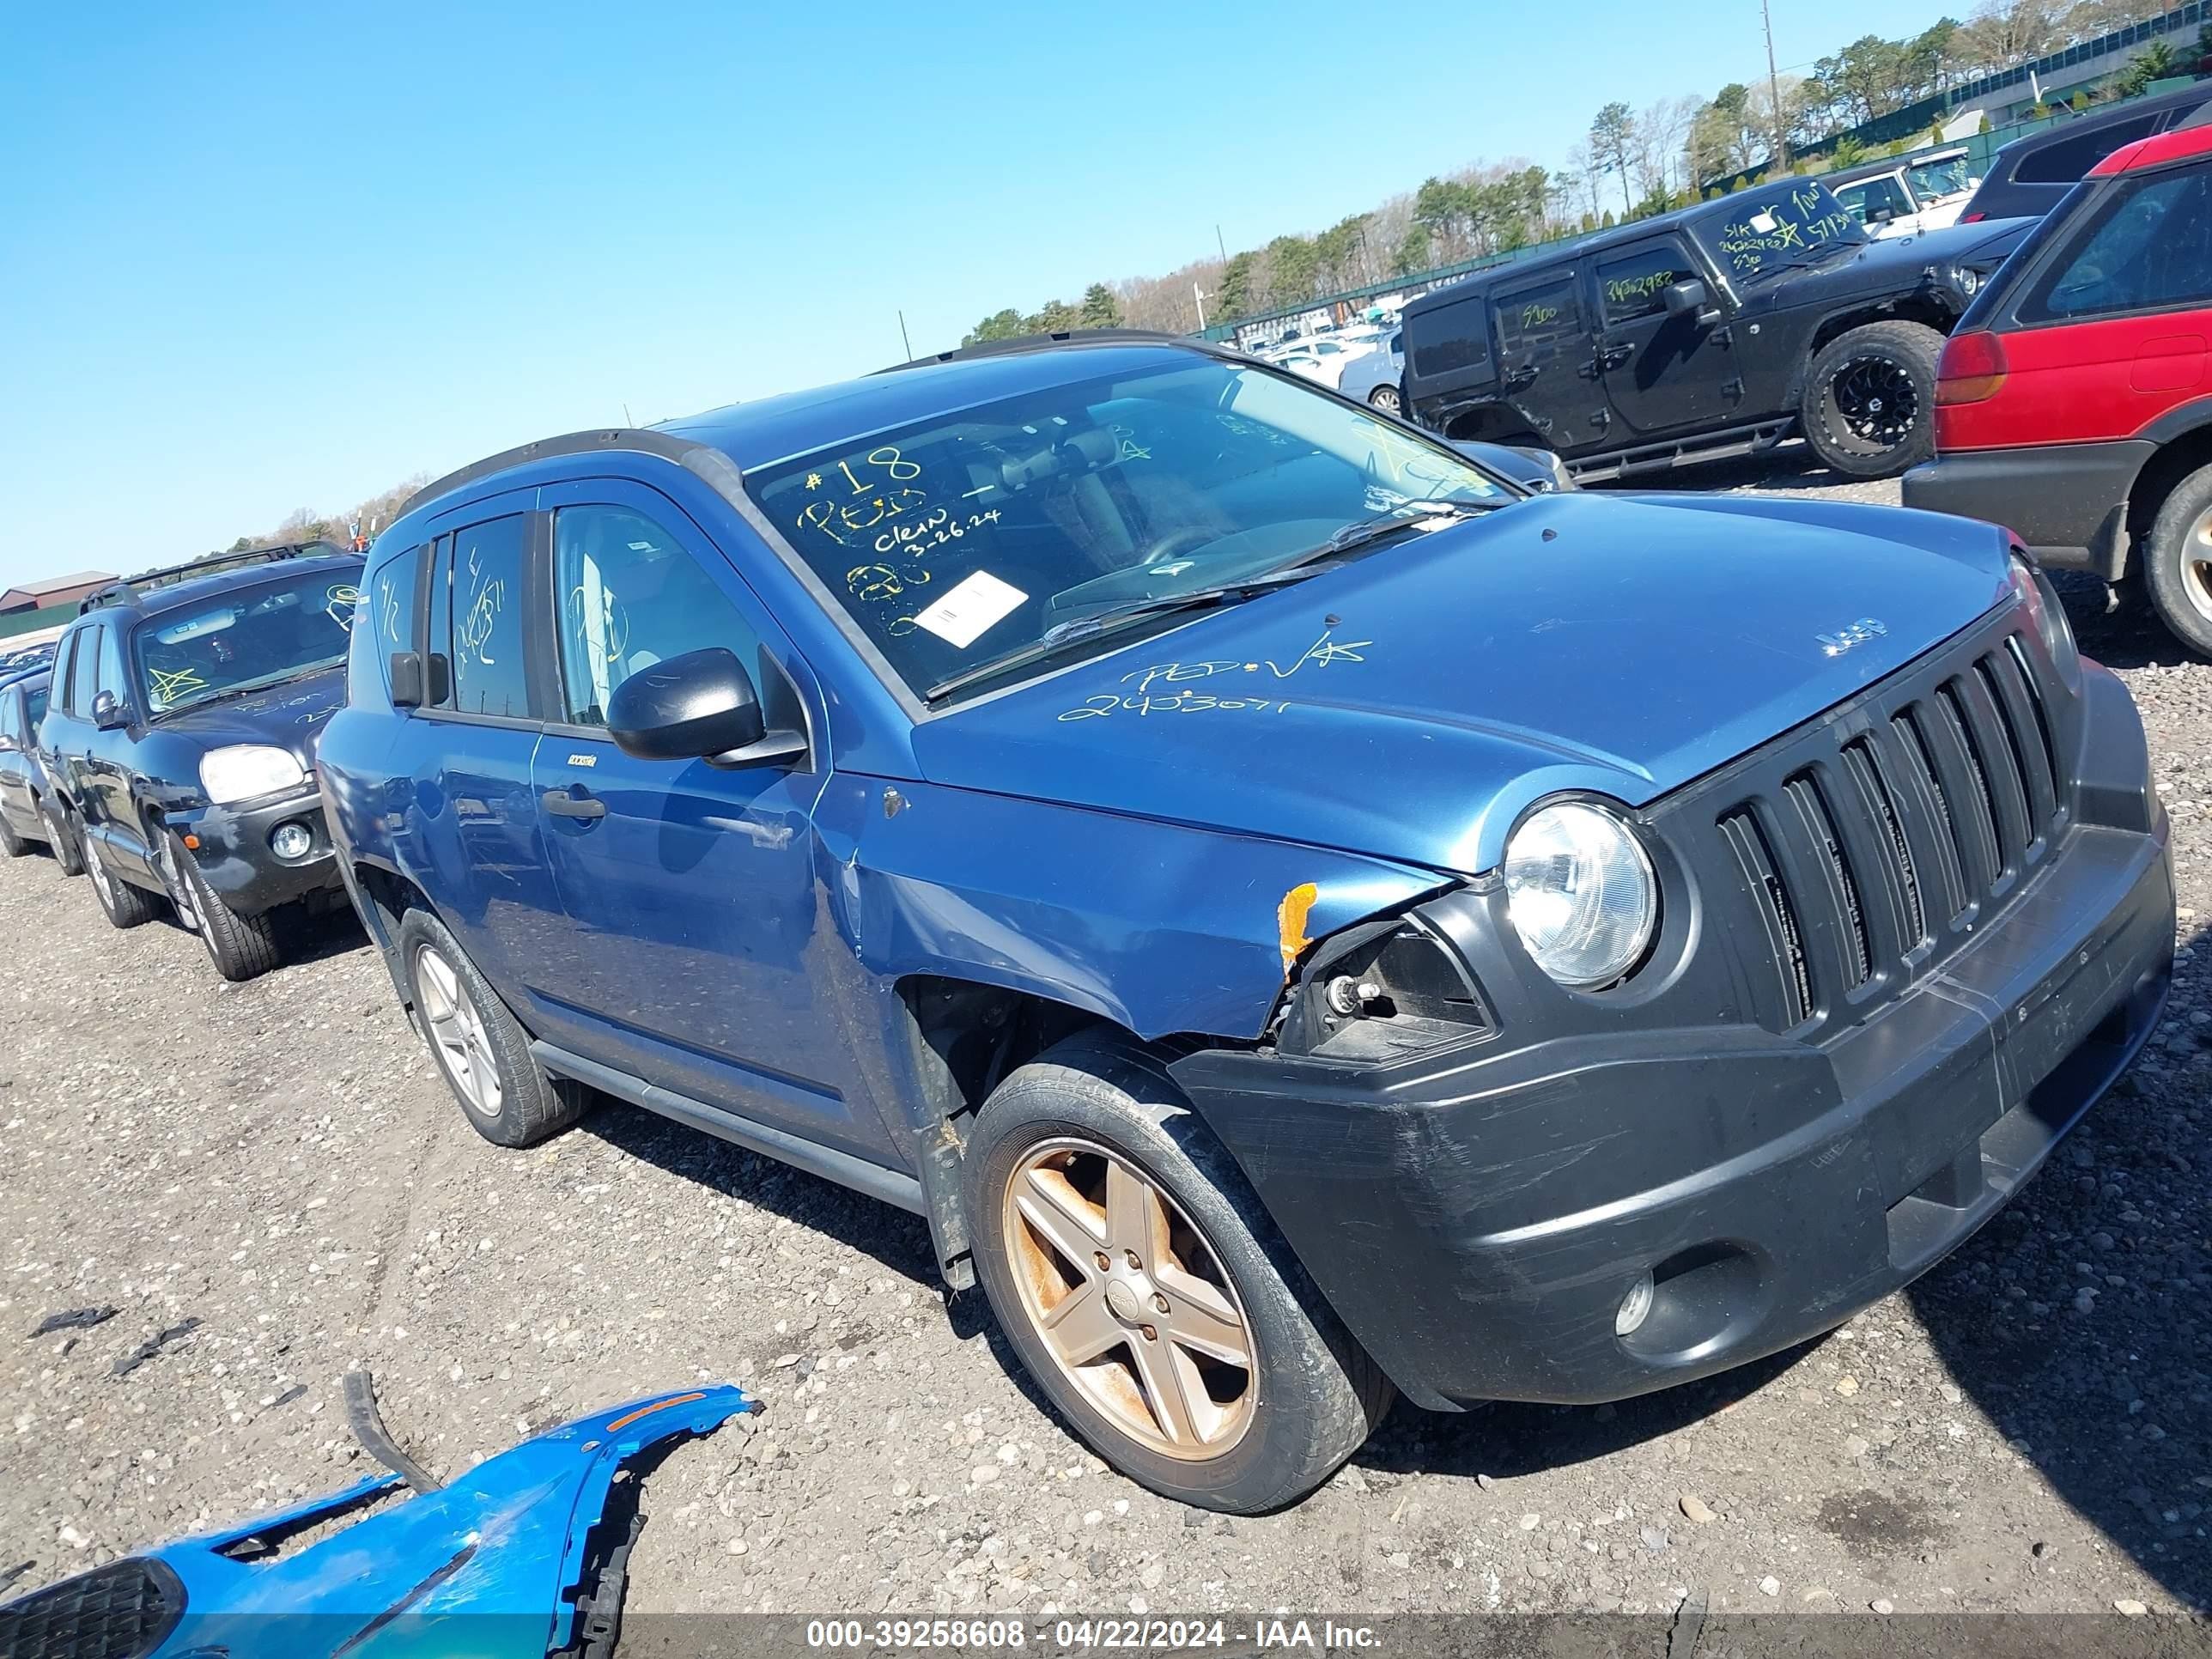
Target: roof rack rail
130,588
1079,337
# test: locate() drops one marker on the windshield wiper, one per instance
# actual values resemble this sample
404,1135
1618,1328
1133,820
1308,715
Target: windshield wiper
246,688
1076,630
1412,515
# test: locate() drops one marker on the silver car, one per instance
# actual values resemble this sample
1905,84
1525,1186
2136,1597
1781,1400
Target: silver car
1374,377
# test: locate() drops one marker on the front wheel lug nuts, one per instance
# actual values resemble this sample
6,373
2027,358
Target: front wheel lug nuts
1160,1302
1105,1262
1151,1335
1133,1262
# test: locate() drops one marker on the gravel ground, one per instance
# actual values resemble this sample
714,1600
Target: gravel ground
2025,1429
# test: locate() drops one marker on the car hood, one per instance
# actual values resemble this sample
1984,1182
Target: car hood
1411,705
1896,264
287,716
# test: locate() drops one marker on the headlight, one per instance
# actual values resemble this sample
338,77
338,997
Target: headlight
1581,893
2052,624
247,769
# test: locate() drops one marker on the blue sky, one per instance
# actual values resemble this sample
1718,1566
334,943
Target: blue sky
255,258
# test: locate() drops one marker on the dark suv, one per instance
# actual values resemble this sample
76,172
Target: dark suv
1199,843
180,739
1717,330
26,810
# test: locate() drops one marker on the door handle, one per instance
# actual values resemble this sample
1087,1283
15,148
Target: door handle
1515,379
1616,355
562,805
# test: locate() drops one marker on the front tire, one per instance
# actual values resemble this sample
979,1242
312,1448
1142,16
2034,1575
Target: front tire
2176,563
124,905
1387,398
480,1047
242,947
63,839
1148,1294
1869,404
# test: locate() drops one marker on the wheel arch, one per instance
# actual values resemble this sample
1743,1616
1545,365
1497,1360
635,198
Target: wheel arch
2185,446
1916,307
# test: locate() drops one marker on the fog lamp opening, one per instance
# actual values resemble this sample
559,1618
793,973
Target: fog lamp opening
291,841
1635,1307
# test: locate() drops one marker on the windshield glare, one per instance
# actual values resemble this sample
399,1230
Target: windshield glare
1769,227
956,541
247,636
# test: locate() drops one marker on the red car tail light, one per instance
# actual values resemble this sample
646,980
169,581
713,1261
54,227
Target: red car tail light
1971,369
1971,218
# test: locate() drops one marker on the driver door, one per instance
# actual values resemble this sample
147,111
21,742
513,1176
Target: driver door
699,962
1660,372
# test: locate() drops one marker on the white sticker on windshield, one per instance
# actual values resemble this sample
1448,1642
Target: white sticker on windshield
962,615
1763,222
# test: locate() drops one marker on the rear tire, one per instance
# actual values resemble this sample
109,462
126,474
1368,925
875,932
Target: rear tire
11,843
1869,404
1189,1349
124,905
2176,563
242,947
481,1048
1387,398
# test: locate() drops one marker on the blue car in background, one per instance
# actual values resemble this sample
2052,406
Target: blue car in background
1303,916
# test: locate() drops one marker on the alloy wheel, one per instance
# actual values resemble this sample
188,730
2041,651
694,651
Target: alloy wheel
1129,1298
2197,564
97,870
182,894
1386,398
457,1032
1876,398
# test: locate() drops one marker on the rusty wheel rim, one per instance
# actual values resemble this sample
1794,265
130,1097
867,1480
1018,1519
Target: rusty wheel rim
1129,1298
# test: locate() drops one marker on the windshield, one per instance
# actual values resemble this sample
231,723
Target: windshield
1933,180
961,540
1771,228
246,638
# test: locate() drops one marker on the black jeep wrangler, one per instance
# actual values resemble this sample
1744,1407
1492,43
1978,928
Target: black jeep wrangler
1713,331
180,739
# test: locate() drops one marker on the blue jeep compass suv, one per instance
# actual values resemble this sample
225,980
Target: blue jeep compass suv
1301,915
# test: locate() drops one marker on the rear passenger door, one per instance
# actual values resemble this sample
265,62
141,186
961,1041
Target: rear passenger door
1546,362
693,889
1660,371
475,823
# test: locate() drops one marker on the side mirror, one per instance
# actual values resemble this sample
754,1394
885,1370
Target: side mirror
1685,299
107,713
699,706
1882,216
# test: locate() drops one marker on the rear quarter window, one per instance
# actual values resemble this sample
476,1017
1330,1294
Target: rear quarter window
1452,338
2147,248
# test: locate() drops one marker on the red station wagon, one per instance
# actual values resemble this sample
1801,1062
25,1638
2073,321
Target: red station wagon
2074,401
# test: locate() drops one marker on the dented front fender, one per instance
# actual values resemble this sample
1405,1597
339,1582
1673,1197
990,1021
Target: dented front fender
1161,927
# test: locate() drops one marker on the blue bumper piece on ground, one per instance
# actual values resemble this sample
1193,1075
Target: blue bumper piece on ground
495,1565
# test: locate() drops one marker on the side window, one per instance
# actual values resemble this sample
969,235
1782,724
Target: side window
11,719
1632,283
1871,196
110,672
631,596
486,600
2067,160
391,615
1537,321
80,665
2149,247
34,710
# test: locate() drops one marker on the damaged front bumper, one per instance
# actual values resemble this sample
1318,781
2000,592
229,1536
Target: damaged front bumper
523,1556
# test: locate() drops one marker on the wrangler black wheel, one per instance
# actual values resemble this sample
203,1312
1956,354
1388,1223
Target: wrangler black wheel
1869,407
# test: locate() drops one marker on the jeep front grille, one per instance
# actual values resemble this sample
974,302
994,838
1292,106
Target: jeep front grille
1863,848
